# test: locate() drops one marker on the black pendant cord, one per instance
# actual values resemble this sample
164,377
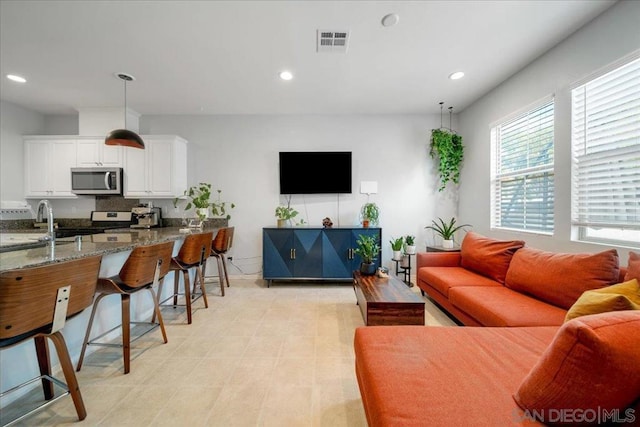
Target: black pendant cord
441,104
450,114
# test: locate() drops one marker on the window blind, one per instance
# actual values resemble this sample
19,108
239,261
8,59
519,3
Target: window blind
522,172
605,135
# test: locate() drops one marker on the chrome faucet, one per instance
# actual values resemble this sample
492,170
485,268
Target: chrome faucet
51,234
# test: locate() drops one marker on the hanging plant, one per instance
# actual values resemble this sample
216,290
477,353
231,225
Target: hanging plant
446,148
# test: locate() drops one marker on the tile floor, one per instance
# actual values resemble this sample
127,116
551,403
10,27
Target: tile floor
278,356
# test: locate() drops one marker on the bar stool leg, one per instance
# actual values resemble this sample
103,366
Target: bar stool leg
126,331
44,362
199,279
156,313
86,336
187,294
220,274
224,265
176,287
69,375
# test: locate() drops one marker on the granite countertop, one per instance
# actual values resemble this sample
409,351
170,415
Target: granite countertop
96,244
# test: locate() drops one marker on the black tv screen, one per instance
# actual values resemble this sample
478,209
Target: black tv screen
315,172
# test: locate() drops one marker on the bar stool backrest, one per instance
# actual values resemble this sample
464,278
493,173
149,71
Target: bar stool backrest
140,267
223,240
195,248
28,295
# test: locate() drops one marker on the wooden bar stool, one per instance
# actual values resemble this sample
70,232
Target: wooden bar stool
219,248
35,302
192,255
145,267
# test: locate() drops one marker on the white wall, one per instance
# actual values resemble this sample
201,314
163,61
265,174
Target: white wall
608,38
239,155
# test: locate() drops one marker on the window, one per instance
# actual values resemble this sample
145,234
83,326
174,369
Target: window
605,139
522,180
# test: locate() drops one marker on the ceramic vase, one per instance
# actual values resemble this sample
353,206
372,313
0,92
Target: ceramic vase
447,244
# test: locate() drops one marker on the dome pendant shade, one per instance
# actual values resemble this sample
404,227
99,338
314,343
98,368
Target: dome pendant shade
124,137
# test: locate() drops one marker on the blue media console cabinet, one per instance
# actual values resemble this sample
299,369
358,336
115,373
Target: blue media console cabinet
312,253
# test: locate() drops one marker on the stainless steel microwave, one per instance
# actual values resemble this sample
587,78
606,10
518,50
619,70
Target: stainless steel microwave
96,180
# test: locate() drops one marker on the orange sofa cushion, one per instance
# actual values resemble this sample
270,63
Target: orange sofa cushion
623,296
500,306
444,278
487,256
593,363
445,376
560,278
633,270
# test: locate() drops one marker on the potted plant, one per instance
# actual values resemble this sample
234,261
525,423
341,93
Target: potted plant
370,214
285,214
446,148
199,197
368,249
410,244
446,230
396,247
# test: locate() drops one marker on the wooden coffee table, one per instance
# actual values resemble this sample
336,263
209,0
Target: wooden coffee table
387,301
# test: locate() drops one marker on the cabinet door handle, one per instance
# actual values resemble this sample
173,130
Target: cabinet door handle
290,253
294,253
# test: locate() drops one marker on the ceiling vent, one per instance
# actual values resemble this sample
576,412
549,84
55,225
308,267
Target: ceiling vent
332,41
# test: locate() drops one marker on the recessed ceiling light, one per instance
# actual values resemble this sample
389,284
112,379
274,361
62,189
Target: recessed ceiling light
286,75
457,75
15,78
390,20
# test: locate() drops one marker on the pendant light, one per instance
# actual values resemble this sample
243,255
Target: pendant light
124,136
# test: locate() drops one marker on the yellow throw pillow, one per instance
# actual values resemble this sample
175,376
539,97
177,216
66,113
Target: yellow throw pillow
623,296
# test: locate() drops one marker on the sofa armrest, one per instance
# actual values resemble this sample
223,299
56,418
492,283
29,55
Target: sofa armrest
437,259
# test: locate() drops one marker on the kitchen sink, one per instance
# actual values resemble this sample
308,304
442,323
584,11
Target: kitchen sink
18,241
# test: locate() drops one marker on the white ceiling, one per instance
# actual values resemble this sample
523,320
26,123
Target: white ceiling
223,57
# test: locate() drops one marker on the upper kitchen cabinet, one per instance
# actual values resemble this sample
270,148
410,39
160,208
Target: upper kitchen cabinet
92,152
159,171
47,165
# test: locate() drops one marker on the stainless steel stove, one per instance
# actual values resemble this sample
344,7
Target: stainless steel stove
101,221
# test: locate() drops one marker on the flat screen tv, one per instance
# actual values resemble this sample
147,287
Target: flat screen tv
315,172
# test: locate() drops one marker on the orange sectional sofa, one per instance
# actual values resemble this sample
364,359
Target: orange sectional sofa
586,370
504,283
581,371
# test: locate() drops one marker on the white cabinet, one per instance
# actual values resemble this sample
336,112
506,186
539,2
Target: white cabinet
159,171
47,165
93,152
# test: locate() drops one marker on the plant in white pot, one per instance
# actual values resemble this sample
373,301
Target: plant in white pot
199,197
396,247
410,244
446,230
285,214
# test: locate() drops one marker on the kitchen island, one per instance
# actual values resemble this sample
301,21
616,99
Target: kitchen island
68,248
19,363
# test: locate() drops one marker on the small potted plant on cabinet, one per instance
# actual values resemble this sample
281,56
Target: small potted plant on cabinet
285,214
410,244
446,230
396,247
370,214
368,249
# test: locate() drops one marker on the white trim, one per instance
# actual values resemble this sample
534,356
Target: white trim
524,110
605,69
